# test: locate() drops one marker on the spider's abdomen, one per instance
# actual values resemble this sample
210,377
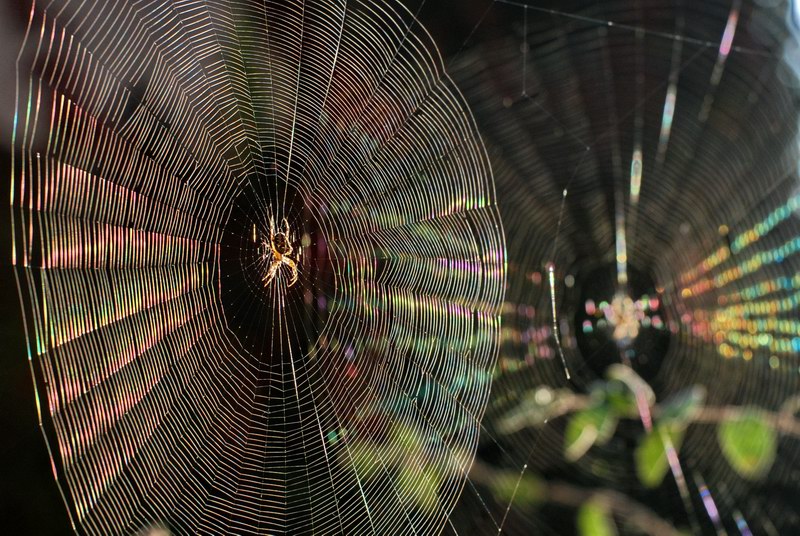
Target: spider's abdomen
281,244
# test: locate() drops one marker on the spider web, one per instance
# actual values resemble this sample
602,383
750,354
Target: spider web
154,143
627,139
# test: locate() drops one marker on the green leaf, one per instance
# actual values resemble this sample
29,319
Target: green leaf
634,382
509,488
419,488
594,519
749,444
683,405
621,398
651,457
404,443
363,458
587,427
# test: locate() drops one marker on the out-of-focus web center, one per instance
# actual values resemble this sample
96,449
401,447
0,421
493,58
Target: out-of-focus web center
623,318
621,323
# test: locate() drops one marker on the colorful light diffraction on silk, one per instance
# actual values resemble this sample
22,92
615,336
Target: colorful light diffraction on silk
763,314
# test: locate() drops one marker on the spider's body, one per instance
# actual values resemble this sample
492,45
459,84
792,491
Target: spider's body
277,251
281,245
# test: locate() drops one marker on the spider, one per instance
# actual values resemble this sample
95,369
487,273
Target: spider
277,252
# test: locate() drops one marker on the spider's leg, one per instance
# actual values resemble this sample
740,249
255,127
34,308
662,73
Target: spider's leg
273,269
266,254
286,227
293,267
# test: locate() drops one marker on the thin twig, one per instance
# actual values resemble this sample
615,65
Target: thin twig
574,496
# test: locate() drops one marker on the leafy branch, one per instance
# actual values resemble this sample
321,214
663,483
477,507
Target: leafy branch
747,435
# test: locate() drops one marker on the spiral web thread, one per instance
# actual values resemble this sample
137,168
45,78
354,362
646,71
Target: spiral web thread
152,139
